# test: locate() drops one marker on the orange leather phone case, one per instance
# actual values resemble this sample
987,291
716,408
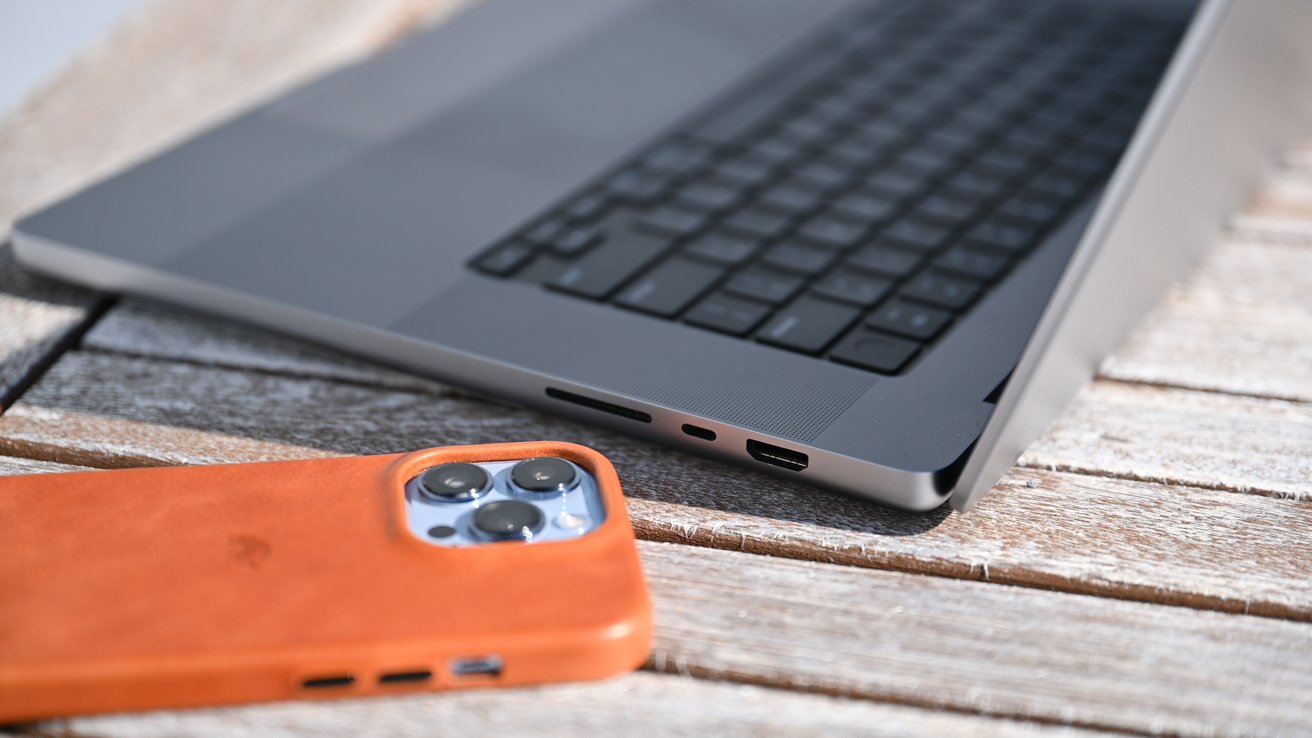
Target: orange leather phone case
170,587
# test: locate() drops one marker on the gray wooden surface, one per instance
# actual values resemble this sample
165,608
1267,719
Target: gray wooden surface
1146,568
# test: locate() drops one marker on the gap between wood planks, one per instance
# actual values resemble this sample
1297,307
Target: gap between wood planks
1067,532
1027,460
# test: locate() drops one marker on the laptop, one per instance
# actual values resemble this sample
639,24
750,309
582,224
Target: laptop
870,246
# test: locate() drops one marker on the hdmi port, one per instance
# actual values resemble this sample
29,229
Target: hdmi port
776,456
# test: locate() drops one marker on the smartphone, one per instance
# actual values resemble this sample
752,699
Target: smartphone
493,565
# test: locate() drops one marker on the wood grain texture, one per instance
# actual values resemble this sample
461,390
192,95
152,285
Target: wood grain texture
1072,532
12,465
174,70
138,327
39,318
643,704
997,650
1241,324
1209,440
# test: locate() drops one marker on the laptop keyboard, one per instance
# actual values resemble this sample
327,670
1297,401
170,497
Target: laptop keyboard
857,198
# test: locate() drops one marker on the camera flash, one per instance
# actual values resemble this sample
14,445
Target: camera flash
574,522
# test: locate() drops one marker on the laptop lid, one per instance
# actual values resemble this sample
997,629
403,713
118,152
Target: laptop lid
1234,95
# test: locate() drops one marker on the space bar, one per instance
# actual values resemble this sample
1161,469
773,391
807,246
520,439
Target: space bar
602,270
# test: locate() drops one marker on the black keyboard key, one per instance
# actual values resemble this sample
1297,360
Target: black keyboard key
917,235
672,221
927,161
875,351
808,324
854,287
763,284
722,248
830,232
856,152
505,259
603,269
545,230
1059,183
708,196
775,150
954,293
637,188
669,287
677,157
744,171
727,314
980,185
946,209
587,208
1006,162
756,222
885,259
865,208
575,241
1032,206
896,182
920,322
790,199
984,265
798,259
1003,234
822,174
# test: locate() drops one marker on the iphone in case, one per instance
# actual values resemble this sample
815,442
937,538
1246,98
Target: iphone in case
169,587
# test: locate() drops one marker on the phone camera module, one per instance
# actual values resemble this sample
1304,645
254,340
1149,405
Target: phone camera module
544,475
508,520
457,482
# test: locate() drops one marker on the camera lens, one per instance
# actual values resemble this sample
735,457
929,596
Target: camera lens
508,520
454,482
544,474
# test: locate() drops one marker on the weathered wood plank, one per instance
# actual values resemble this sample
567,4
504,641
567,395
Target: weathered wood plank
175,70
11,465
1241,324
137,327
639,705
39,318
997,650
1179,436
1072,532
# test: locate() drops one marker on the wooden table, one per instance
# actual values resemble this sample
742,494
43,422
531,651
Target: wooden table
1146,567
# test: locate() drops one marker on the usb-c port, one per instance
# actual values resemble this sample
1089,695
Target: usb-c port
696,431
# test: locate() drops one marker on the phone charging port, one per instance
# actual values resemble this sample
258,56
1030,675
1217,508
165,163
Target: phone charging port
485,666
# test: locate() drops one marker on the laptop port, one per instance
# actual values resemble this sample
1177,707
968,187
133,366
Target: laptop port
601,405
487,666
696,431
783,458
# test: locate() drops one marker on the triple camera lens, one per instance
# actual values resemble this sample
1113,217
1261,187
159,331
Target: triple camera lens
506,519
